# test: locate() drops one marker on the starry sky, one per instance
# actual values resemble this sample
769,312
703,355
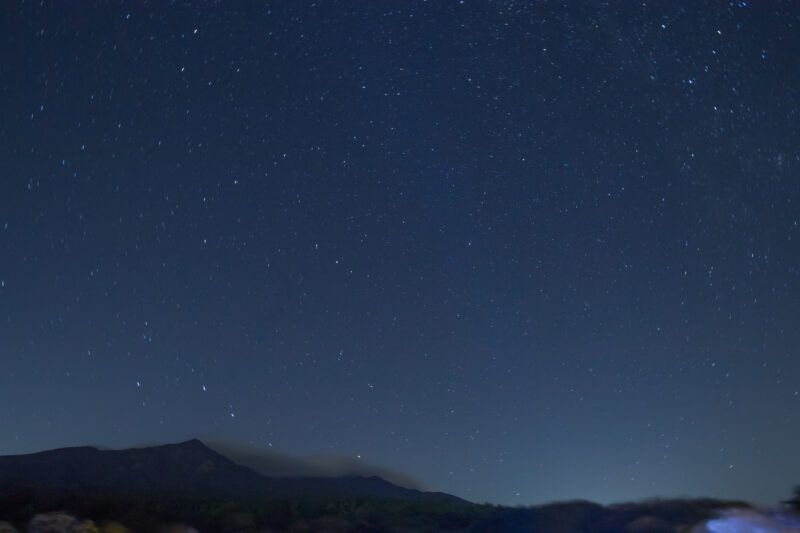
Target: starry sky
519,251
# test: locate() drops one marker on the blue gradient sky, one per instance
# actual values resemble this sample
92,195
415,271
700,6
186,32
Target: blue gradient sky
519,251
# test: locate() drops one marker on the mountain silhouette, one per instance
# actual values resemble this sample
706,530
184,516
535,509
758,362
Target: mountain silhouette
147,489
187,469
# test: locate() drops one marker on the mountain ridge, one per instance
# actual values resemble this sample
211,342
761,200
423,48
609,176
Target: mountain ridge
186,469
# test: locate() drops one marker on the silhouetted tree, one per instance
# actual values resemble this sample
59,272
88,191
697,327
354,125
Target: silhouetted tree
794,503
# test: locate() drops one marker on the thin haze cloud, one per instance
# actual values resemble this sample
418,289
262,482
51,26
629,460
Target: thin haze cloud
278,465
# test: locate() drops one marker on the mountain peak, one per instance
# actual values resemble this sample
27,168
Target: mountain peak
188,468
192,443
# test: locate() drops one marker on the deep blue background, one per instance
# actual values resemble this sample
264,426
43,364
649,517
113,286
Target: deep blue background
520,251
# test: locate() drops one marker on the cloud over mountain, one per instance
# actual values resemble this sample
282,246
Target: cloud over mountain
278,465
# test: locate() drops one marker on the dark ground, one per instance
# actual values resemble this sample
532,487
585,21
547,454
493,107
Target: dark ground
153,513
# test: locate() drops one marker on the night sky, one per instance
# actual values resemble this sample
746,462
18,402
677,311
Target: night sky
520,251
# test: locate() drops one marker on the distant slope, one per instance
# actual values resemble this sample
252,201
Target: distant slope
187,469
356,487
